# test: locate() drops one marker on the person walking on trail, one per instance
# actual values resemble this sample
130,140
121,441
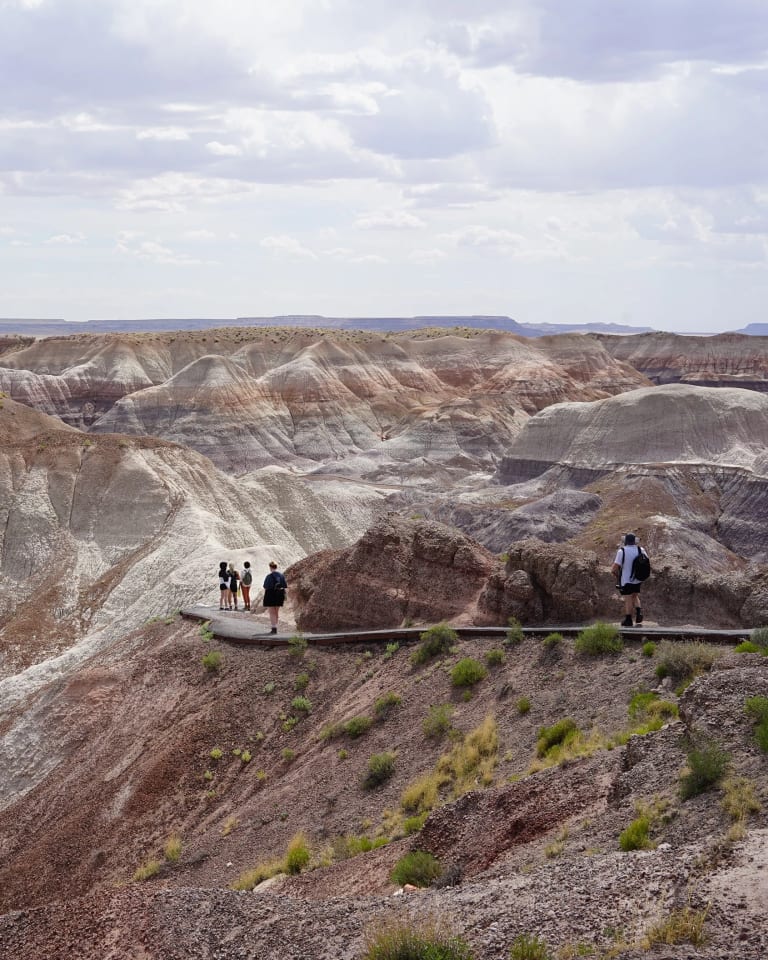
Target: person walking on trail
234,582
625,571
225,597
246,579
275,586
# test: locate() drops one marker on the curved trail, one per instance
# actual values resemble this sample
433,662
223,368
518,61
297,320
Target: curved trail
239,628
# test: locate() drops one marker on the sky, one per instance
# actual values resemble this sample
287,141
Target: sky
556,161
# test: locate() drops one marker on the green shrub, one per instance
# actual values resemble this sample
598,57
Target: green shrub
706,767
357,726
245,756
288,754
438,721
748,646
418,868
760,636
526,947
390,650
302,681
523,705
468,672
494,658
301,704
381,766
552,640
297,856
636,835
559,733
386,703
211,660
216,754
289,723
757,709
414,824
172,848
434,641
648,649
598,640
639,704
683,661
149,869
401,940
269,687
297,646
515,633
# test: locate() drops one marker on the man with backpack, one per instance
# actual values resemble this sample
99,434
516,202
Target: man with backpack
246,579
630,568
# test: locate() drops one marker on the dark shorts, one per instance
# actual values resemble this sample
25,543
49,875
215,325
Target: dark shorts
629,588
223,586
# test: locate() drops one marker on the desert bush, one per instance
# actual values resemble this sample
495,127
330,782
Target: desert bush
269,687
598,640
438,720
747,646
525,947
523,705
216,753
400,940
418,868
757,709
297,646
739,801
552,641
390,650
211,660
648,649
559,733
494,658
421,795
288,755
515,633
289,723
472,760
297,855
386,703
650,712
357,726
301,682
683,661
434,641
149,869
706,766
759,636
264,871
684,925
414,824
468,672
636,835
172,848
301,704
381,766
246,756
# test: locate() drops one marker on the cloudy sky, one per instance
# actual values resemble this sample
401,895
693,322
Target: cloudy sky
552,160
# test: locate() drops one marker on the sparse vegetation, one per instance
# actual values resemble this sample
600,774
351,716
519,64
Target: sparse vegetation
438,720
556,735
414,824
684,661
434,641
494,658
297,856
599,640
757,709
269,687
381,766
297,646
216,754
150,868
739,801
301,704
172,848
289,723
648,649
402,940
515,633
523,705
302,681
418,868
759,636
706,767
526,947
681,926
245,756
264,871
552,641
357,726
386,703
288,754
390,650
212,661
468,672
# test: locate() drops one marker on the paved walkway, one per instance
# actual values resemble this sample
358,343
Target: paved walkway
253,628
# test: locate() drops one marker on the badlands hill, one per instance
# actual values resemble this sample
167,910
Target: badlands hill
337,454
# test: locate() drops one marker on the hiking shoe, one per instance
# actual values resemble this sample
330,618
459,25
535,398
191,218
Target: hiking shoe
638,616
627,621
273,630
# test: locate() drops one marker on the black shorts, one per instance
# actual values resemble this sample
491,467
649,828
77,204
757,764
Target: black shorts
223,586
629,588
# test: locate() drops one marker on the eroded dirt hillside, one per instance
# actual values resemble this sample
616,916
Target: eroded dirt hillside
105,765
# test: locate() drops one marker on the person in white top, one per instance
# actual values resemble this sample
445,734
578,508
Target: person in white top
629,586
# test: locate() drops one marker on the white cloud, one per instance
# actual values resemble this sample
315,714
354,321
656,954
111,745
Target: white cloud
223,149
287,246
390,220
163,134
66,239
434,255
494,238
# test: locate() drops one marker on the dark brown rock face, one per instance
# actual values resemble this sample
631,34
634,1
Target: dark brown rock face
399,569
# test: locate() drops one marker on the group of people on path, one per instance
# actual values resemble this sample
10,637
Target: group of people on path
234,584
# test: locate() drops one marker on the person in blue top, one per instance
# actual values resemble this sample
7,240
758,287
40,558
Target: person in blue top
629,586
275,586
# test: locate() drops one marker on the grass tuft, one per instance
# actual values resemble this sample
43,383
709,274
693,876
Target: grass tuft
403,940
598,640
418,868
706,767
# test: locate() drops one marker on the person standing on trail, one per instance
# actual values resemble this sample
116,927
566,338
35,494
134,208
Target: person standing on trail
246,579
275,586
225,597
625,571
234,581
